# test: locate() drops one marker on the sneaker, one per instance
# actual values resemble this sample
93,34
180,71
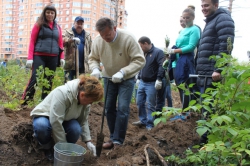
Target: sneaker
149,128
138,123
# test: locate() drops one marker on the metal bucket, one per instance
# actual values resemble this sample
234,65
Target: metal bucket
68,154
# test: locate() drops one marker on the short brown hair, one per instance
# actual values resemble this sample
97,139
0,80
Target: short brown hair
104,22
91,86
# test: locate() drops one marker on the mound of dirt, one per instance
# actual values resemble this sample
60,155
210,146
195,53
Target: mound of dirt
17,145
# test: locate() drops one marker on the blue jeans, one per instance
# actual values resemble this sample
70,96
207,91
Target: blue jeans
43,130
161,96
117,117
146,94
168,95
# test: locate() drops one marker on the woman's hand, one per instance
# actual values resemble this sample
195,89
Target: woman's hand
92,148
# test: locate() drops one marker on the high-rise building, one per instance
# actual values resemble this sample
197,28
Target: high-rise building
17,18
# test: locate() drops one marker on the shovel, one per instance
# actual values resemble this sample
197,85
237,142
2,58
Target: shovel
100,136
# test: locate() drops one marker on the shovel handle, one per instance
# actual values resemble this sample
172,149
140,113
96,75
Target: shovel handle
105,101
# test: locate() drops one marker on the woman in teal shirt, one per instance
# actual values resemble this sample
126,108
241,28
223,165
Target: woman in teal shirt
186,43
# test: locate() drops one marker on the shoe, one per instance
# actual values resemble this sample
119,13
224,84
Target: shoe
149,128
49,154
138,123
108,145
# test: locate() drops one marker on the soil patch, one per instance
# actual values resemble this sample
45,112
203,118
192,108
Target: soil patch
17,145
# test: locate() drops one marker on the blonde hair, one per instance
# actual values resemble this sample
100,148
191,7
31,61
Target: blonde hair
91,86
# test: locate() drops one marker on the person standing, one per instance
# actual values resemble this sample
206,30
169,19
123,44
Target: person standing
185,46
4,63
122,58
45,49
77,46
63,115
150,81
219,27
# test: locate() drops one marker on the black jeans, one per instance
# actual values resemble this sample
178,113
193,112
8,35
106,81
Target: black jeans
45,61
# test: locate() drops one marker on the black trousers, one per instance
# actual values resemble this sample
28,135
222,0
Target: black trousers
45,61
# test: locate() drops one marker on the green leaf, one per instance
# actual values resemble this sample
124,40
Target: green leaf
192,102
157,121
233,132
247,151
201,130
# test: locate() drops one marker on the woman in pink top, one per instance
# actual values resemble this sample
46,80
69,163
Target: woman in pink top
45,49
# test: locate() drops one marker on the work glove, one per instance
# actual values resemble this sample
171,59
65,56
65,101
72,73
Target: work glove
62,62
96,73
169,51
76,40
117,77
137,83
92,148
158,84
29,63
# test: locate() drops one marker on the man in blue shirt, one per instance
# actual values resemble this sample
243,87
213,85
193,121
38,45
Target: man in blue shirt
77,46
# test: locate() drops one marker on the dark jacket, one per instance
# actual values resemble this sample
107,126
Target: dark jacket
153,69
213,41
47,40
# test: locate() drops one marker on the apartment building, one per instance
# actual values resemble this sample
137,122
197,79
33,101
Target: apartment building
17,18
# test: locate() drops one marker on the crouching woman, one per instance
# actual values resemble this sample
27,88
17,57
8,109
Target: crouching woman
63,115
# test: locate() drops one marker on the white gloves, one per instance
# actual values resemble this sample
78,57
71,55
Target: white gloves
77,40
168,51
117,77
158,84
96,73
92,148
62,62
137,83
29,63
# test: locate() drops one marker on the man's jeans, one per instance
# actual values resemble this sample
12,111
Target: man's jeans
146,94
43,130
168,95
161,96
117,117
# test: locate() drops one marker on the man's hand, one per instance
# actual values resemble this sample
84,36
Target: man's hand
216,76
158,84
96,73
117,78
92,148
62,62
76,40
29,63
137,83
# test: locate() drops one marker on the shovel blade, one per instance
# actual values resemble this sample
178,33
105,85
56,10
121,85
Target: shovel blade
99,142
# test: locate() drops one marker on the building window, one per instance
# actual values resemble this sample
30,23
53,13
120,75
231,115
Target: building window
77,4
85,12
67,5
76,11
86,5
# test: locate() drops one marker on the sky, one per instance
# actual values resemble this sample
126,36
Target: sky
158,18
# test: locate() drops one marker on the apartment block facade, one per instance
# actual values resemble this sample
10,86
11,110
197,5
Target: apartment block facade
17,18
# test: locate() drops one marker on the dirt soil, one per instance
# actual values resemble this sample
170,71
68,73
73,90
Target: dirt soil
17,146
